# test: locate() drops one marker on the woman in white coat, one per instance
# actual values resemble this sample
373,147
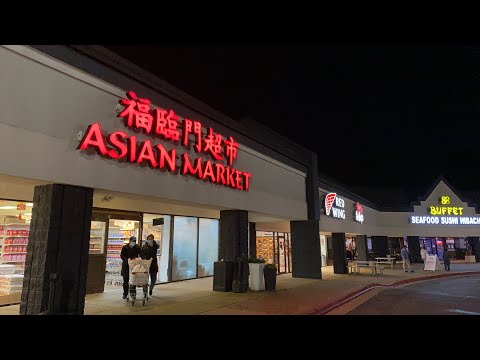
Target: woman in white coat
423,254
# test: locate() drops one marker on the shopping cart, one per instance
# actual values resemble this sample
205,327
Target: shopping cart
139,273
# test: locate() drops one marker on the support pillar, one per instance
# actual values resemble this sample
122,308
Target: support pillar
474,242
306,257
57,253
252,245
233,241
339,254
380,245
414,249
362,247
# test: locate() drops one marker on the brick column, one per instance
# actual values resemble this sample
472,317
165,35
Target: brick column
57,247
233,241
252,245
414,249
306,257
362,247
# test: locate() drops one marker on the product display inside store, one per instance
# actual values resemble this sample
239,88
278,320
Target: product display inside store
119,233
265,246
15,217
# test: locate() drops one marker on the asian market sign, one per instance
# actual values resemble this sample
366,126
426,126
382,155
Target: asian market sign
334,206
437,213
166,125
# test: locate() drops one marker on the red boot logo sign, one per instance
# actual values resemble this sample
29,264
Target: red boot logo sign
359,213
334,206
329,199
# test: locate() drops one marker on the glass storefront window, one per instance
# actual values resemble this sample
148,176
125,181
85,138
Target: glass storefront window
97,237
207,246
184,261
163,264
15,218
265,246
161,235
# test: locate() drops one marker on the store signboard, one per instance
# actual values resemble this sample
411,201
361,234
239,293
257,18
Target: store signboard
166,125
454,215
358,216
445,220
445,210
334,206
432,263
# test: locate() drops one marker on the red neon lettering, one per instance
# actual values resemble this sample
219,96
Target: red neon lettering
213,144
230,150
220,174
246,177
166,124
138,109
238,179
146,153
186,166
230,179
208,171
132,148
192,127
119,148
170,157
94,138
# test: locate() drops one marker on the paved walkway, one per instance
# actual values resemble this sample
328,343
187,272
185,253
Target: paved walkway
293,295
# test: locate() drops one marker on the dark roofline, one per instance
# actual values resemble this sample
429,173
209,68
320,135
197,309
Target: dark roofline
450,186
255,135
331,185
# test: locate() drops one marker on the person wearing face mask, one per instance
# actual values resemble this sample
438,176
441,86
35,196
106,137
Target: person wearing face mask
129,251
149,251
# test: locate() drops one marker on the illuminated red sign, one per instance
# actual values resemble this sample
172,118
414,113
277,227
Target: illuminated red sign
359,213
165,124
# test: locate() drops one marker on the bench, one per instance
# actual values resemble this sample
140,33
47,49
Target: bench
390,261
374,267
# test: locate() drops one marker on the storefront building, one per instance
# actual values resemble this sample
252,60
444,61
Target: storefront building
95,150
442,220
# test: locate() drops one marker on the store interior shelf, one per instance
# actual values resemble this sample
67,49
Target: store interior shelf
16,236
15,252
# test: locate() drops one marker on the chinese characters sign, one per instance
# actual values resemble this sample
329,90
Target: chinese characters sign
166,125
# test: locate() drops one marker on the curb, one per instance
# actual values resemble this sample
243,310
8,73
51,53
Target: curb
322,310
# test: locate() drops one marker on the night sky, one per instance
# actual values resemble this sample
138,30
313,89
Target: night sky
377,115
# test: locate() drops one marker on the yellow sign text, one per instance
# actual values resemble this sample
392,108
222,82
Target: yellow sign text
446,210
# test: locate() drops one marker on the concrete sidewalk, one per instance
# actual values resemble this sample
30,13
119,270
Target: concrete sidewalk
293,295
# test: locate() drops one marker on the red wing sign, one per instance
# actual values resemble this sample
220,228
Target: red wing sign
329,199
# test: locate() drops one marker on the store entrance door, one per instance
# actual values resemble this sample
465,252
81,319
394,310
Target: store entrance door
282,252
104,265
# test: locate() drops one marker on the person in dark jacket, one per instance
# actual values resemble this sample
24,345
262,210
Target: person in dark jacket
446,260
149,251
129,251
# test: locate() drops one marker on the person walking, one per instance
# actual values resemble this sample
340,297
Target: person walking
423,254
406,259
149,251
129,251
446,260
